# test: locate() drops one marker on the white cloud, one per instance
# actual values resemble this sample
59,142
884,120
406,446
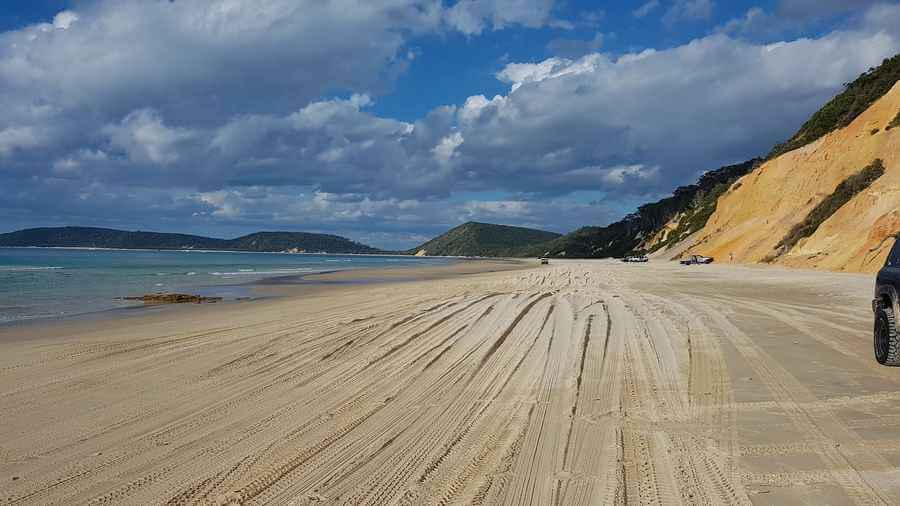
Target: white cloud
14,138
883,16
753,23
447,147
472,17
645,9
146,140
64,20
695,107
628,173
688,10
360,100
518,74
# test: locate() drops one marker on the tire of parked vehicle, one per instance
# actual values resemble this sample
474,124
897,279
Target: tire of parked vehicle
887,343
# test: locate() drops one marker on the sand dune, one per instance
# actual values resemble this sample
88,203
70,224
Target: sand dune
574,383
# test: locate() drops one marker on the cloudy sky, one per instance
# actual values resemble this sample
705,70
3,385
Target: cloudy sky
390,121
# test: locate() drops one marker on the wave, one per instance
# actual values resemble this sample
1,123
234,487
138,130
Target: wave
244,272
10,318
27,269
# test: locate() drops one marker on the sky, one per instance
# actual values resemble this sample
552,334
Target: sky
391,121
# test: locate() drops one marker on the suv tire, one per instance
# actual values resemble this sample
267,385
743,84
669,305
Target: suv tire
887,343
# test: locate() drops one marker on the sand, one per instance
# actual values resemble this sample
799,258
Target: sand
573,383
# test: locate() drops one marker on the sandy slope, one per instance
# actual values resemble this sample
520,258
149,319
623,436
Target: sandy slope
574,383
761,209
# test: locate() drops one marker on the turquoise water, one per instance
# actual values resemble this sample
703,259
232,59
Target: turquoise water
45,282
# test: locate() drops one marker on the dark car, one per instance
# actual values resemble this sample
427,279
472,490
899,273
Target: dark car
885,305
696,260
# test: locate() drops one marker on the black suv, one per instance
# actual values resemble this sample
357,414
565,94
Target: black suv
885,306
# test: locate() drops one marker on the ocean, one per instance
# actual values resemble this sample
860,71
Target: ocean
56,282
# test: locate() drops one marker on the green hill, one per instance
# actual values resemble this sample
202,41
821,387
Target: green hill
88,237
281,241
484,239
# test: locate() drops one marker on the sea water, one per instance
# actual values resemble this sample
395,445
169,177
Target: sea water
54,282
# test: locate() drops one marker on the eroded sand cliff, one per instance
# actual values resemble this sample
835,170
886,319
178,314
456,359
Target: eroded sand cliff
762,207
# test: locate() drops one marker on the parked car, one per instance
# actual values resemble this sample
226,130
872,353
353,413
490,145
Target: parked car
696,260
885,306
544,260
636,258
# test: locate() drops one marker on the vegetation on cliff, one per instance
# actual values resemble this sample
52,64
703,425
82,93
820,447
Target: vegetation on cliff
843,193
695,203
894,122
846,106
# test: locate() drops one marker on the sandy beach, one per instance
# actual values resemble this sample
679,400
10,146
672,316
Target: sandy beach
579,382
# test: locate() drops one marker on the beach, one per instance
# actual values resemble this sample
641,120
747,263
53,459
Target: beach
578,382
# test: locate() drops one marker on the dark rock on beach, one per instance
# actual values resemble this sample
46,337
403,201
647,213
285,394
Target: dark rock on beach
174,298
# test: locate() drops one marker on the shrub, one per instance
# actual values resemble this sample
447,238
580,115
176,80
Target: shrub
894,122
844,192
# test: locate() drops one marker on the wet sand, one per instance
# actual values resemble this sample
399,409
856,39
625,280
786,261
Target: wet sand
575,383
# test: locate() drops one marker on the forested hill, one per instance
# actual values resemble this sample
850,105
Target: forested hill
654,225
484,239
88,237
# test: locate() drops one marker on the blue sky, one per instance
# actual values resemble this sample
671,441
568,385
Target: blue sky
389,122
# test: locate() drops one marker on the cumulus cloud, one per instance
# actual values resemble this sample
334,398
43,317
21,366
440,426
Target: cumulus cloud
447,147
64,19
146,140
712,101
791,18
472,17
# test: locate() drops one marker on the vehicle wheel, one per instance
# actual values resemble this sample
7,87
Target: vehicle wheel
887,343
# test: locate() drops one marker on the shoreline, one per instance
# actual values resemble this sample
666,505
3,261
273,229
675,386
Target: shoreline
266,290
308,253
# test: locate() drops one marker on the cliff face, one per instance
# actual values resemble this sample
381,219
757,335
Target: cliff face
762,208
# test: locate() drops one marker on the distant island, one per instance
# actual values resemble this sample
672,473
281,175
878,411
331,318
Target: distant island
89,237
